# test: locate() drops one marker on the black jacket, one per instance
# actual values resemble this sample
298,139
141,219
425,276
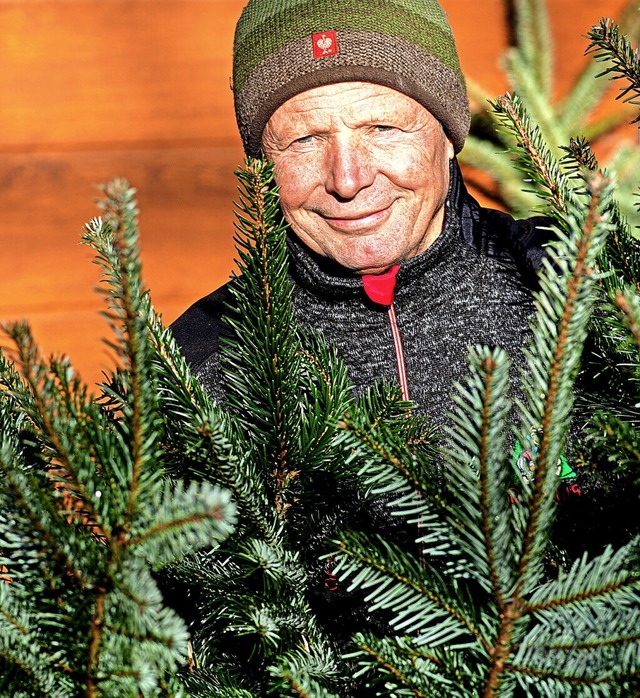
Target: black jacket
472,286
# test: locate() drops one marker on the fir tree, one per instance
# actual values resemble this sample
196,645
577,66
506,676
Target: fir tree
85,511
530,69
485,614
259,605
255,629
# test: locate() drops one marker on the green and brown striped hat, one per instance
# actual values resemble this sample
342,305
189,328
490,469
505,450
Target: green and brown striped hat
284,47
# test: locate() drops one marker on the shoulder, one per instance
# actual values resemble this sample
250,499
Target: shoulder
524,240
199,329
517,244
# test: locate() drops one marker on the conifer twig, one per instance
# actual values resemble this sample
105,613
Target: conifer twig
541,498
631,315
536,152
607,44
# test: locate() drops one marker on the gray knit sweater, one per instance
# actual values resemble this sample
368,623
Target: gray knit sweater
472,286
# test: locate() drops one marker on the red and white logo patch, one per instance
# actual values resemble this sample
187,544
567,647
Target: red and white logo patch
324,44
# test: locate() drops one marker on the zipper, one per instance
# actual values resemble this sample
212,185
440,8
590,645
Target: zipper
399,352
380,289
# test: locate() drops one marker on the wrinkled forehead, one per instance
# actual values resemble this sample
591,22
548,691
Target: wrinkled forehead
349,104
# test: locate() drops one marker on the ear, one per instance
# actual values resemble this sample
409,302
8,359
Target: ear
451,151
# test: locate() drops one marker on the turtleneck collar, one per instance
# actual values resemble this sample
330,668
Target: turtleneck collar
330,280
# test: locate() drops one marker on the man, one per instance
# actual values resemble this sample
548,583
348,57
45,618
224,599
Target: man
362,107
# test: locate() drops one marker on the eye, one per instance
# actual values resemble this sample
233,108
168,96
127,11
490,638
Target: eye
303,139
383,128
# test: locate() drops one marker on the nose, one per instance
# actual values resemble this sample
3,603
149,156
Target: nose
349,167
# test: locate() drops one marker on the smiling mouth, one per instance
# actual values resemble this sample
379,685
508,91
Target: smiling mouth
356,222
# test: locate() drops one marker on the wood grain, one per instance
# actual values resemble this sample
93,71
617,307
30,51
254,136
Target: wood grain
115,71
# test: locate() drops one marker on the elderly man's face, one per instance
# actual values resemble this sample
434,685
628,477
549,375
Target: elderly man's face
363,172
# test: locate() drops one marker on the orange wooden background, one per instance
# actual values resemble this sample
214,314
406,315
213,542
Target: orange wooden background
92,89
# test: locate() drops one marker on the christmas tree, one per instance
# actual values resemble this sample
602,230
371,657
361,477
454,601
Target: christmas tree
532,70
86,512
293,540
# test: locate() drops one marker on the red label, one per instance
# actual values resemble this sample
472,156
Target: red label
324,44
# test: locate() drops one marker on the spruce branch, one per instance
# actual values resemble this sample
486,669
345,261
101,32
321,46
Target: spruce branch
390,451
260,242
480,513
300,673
400,665
563,313
116,245
44,671
531,93
181,521
84,506
533,37
283,390
204,441
589,585
297,688
619,261
529,67
54,395
607,44
538,162
390,458
425,605
590,644
395,472
390,667
573,302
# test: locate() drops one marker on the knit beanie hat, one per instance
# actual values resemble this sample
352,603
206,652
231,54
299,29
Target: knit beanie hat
284,47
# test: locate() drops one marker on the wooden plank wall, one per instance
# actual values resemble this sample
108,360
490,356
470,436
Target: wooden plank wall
93,89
